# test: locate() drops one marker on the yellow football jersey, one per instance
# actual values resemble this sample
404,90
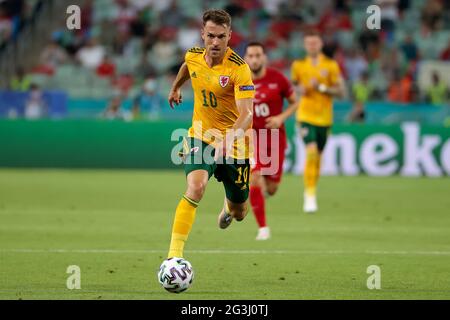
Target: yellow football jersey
316,108
216,90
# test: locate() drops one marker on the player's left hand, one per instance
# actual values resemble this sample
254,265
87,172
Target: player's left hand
274,122
221,151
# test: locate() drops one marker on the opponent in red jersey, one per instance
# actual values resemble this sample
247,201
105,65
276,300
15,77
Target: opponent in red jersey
272,87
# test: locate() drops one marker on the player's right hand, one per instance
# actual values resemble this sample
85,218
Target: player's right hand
219,152
224,147
175,97
274,122
303,90
307,89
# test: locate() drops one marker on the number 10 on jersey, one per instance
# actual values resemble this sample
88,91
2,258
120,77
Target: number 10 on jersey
262,110
209,100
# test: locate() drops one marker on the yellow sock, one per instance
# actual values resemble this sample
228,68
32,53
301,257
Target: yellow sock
310,175
319,157
182,225
226,208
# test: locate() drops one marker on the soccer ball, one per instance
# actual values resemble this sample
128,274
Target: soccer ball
176,275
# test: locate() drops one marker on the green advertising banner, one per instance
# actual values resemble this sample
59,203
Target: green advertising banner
408,149
86,144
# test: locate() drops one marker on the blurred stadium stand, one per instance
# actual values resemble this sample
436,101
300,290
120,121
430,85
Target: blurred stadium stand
131,49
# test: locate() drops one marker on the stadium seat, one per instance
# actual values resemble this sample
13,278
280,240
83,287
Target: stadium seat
41,80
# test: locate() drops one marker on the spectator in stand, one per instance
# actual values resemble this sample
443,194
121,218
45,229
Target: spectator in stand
389,14
135,114
172,16
409,48
432,15
362,91
293,10
400,88
282,28
370,43
445,54
107,69
16,8
121,43
141,5
330,43
391,61
158,6
91,55
15,12
123,83
272,7
355,65
126,15
156,31
21,81
189,36
52,57
67,39
113,110
403,5
87,16
148,97
165,52
437,93
6,26
235,8
35,107
335,18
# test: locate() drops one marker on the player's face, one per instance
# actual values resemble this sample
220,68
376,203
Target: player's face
215,38
313,45
255,58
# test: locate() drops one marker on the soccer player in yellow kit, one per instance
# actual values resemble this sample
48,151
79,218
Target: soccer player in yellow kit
223,115
319,80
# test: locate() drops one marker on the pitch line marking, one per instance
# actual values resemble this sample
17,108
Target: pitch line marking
318,252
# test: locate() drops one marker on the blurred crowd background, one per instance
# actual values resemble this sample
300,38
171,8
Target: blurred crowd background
121,63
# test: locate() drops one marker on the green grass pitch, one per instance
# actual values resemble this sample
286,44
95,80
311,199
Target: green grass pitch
115,225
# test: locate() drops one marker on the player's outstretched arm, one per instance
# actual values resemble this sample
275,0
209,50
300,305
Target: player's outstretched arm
339,90
175,92
276,122
245,109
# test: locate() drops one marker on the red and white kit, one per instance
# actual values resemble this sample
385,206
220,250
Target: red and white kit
270,93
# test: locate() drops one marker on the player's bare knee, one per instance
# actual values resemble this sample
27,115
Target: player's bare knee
312,147
255,179
272,190
240,216
196,190
240,212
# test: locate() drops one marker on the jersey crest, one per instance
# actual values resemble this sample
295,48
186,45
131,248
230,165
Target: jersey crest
224,80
